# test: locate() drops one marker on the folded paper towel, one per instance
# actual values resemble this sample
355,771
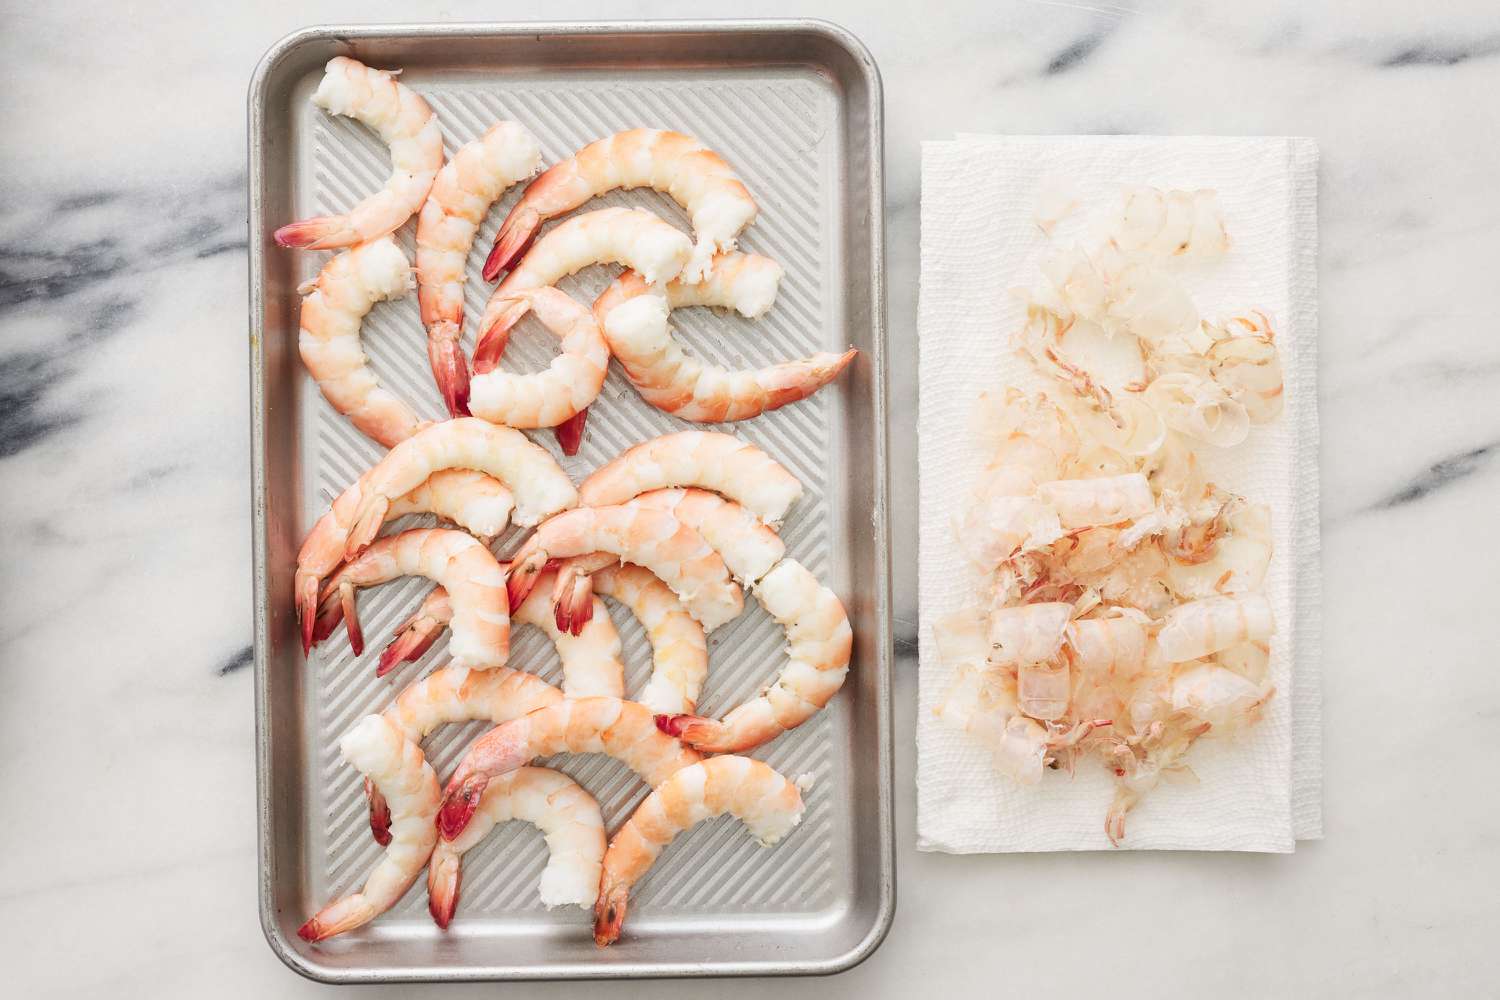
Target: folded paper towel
1261,791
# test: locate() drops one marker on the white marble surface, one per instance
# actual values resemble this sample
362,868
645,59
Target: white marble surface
127,853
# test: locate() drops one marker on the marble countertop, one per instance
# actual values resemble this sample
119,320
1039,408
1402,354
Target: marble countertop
127,859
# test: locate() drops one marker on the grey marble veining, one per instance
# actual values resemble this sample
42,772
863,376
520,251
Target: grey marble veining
127,860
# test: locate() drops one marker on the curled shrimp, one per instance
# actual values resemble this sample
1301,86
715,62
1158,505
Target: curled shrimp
406,124
744,282
1172,223
668,378
769,805
819,642
397,768
473,580
335,305
672,163
1200,628
622,729
679,649
462,193
648,537
708,459
479,503
1088,503
554,803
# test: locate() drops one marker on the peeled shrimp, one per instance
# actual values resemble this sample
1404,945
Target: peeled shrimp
819,642
1199,628
769,804
746,283
570,382
557,805
674,164
345,290
622,729
1172,223
1087,503
590,657
473,500
462,194
669,379
396,766
651,538
629,236
708,459
404,122
679,649
474,581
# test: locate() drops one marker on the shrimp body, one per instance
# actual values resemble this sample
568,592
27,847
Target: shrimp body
397,768
744,282
678,165
622,729
467,570
630,236
336,303
708,459
590,659
406,124
1200,628
679,649
769,805
461,195
1088,503
819,642
554,803
570,383
642,535
669,379
477,502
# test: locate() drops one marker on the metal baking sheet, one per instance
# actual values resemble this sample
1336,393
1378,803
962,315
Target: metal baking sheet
796,107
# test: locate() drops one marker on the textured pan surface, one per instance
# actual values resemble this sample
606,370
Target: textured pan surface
784,128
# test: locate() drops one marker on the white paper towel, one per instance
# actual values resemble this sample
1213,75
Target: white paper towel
1262,790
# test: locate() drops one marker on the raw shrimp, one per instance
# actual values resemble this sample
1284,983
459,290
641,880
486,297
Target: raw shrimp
746,283
396,766
406,124
462,194
674,164
769,804
474,581
1199,407
590,657
554,803
679,649
708,459
571,381
1172,223
622,729
337,300
1244,360
1087,503
819,642
629,236
651,538
669,379
473,500
1199,628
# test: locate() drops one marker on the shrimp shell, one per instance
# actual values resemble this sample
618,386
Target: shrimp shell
708,459
1218,696
1244,360
557,805
569,384
1088,503
1200,628
328,338
406,124
1172,223
769,804
679,649
1031,633
1200,408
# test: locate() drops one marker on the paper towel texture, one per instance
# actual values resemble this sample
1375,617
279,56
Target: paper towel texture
1261,790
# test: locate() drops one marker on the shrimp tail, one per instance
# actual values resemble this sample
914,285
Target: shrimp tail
307,608
449,367
609,913
695,731
345,915
570,432
459,804
524,573
492,341
444,876
572,600
322,233
367,522
516,235
380,814
351,617
330,613
413,638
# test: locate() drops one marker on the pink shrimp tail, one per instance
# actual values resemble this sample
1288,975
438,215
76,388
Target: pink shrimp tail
412,640
609,912
351,618
322,233
513,240
522,579
380,814
444,877
330,613
573,601
449,367
367,522
459,805
492,341
708,735
307,608
570,432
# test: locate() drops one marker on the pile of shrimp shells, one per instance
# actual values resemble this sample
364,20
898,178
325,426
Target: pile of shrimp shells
1120,616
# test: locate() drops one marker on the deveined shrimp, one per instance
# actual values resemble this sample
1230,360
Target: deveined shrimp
819,642
554,803
679,649
629,236
622,729
652,538
463,192
467,570
708,459
335,305
1088,503
769,804
668,378
396,766
744,282
674,164
477,502
1199,628
406,124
